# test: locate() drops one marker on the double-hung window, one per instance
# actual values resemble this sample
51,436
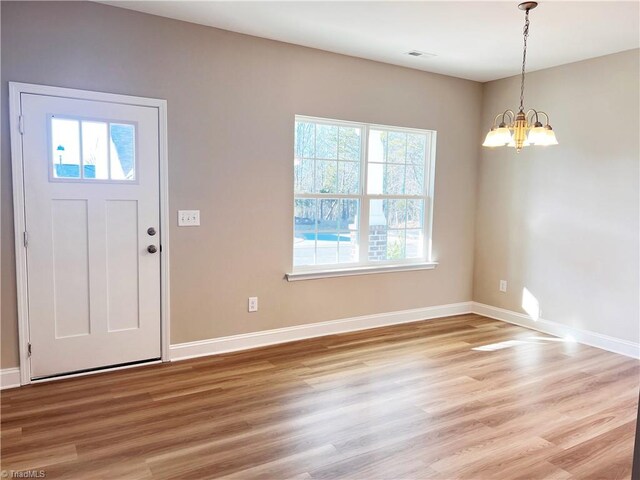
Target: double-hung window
362,196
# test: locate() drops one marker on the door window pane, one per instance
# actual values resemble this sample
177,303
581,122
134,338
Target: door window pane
122,152
94,150
65,144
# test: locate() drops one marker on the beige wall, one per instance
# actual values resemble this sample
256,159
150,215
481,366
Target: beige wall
231,101
563,221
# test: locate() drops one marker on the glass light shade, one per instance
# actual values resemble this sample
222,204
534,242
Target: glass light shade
503,135
497,137
549,137
536,135
491,140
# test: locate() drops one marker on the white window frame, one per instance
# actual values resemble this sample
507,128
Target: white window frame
363,265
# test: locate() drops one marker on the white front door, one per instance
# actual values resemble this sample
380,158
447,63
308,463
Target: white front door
91,191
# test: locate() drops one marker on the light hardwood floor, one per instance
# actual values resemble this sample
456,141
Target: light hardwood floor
438,399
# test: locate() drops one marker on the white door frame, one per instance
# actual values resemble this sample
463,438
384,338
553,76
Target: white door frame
15,124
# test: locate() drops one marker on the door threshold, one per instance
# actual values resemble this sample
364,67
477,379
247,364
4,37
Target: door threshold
93,371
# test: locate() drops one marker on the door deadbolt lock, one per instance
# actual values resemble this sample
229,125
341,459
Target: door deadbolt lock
152,249
151,231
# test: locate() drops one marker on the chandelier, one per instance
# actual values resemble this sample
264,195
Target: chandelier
521,129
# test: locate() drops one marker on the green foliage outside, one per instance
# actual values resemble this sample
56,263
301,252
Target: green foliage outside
396,250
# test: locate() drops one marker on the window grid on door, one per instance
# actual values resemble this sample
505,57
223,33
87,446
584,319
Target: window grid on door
92,150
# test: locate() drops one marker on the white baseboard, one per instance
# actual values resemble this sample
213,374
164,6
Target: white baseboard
9,378
586,337
245,341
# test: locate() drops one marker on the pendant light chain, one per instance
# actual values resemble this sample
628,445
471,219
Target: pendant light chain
521,129
525,33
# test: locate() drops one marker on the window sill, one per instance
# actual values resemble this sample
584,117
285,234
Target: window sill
347,272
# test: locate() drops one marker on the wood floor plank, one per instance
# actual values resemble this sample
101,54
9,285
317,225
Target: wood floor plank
464,397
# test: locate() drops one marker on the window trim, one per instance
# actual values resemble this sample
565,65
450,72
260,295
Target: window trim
367,270
305,272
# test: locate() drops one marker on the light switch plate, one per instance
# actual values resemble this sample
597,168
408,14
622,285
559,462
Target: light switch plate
188,218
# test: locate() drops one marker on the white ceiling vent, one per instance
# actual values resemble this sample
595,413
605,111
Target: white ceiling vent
418,53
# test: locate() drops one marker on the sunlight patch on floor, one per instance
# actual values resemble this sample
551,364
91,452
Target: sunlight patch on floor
492,347
534,340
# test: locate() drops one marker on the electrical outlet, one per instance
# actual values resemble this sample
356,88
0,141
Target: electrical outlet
188,218
253,304
503,286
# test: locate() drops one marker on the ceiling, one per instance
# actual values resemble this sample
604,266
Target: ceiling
476,40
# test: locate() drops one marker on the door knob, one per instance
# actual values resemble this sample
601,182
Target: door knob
151,231
152,249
